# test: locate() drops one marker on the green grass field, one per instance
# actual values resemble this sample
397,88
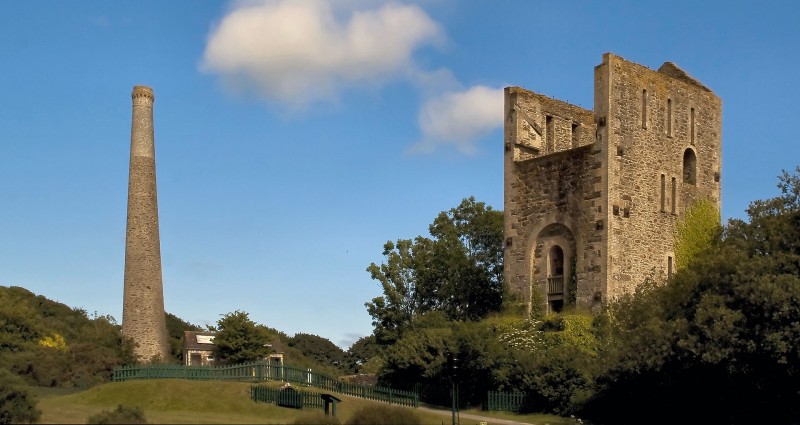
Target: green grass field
172,401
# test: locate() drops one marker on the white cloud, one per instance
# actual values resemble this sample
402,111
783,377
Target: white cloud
459,119
300,52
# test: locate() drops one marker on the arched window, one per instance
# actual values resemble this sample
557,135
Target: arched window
555,278
689,167
556,261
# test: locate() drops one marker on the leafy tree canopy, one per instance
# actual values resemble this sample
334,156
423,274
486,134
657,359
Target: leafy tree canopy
458,270
318,348
721,338
240,339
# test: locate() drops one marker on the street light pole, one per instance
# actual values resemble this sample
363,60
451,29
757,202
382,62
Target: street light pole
452,367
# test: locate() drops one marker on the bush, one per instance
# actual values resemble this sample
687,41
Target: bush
122,415
17,404
384,415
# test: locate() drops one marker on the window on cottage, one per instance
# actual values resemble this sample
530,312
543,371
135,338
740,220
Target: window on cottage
689,167
669,117
644,108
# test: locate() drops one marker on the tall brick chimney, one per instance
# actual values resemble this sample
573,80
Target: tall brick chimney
143,304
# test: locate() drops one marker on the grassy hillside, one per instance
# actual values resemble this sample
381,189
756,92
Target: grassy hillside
217,402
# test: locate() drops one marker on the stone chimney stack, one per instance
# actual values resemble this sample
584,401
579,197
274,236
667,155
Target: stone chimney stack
143,305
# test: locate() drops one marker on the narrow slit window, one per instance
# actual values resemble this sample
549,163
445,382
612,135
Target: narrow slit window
689,167
691,125
576,136
674,198
669,267
644,108
669,117
550,135
663,192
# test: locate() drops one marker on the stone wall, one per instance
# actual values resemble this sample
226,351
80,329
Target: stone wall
590,182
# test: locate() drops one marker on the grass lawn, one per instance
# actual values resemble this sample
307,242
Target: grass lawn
173,401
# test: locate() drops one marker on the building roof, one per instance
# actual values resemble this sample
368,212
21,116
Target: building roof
194,340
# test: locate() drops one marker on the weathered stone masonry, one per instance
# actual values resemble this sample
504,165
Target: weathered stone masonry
143,305
592,198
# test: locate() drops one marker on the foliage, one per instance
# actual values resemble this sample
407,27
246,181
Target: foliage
384,415
175,331
318,348
240,340
17,403
361,352
121,415
696,231
50,344
721,339
458,271
55,342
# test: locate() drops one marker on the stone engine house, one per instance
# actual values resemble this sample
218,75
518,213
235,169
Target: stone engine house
592,198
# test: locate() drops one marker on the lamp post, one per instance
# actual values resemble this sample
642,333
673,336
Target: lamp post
452,368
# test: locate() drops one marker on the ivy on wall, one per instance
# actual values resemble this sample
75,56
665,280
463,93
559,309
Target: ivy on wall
695,231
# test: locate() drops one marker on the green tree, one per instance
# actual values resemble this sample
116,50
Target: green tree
458,271
362,351
721,339
318,348
175,331
240,339
17,403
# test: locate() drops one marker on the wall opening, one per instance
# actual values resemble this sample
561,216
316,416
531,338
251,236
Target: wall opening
576,137
644,108
669,117
691,125
689,167
663,193
674,202
555,278
550,135
669,267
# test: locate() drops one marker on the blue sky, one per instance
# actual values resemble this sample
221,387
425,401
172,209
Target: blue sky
293,139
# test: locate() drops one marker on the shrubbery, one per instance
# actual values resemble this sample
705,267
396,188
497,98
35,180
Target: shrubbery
17,403
120,415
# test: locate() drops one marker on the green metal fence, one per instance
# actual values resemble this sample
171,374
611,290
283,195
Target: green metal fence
286,398
508,401
265,371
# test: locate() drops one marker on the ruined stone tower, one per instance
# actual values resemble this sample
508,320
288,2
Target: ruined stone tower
592,198
143,305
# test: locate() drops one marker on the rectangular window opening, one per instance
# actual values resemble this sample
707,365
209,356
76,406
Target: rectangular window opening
644,108
674,198
663,192
691,125
669,267
550,135
576,137
669,117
